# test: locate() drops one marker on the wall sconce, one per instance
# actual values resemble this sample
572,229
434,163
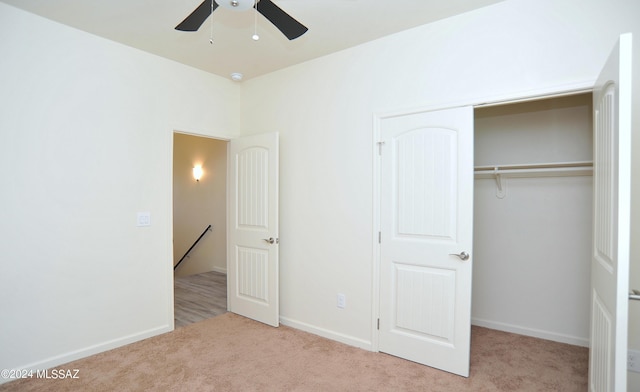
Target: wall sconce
197,172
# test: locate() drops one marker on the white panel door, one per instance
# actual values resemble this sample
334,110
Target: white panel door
611,218
426,213
253,228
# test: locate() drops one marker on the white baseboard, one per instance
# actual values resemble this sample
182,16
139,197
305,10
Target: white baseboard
536,333
220,270
61,359
325,333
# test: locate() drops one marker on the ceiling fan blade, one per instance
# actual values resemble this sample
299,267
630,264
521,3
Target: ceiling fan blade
198,16
283,21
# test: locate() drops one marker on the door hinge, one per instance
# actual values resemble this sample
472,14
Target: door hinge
380,144
378,324
379,237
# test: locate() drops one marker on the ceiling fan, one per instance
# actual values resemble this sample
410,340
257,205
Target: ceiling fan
283,21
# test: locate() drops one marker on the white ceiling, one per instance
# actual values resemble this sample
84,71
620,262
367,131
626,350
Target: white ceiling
333,25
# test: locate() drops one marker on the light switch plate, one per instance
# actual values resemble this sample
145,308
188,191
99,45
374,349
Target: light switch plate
341,301
144,219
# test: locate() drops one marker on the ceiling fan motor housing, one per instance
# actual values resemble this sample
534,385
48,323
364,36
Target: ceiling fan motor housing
236,5
284,22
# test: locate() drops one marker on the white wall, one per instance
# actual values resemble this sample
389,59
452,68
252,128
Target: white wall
323,110
199,204
85,143
532,242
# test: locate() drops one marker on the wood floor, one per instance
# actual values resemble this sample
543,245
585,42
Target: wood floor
199,297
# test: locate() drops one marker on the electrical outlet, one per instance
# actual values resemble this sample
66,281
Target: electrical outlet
342,301
633,361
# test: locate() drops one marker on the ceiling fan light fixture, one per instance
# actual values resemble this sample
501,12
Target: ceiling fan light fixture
236,5
284,22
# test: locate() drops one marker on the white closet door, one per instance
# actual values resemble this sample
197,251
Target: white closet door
426,216
611,235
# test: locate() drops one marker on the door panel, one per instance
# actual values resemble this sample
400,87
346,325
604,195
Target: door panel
253,228
426,221
427,289
427,184
611,234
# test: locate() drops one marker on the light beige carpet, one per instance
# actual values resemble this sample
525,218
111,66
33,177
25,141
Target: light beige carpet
232,353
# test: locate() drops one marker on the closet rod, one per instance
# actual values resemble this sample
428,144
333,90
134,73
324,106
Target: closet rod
558,165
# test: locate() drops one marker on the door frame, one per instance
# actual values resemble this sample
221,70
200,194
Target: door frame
170,271
505,99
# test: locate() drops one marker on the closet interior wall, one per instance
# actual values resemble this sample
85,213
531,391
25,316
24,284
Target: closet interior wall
532,237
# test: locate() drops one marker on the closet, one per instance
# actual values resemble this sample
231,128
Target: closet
532,218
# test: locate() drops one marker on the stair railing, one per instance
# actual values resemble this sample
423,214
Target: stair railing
192,246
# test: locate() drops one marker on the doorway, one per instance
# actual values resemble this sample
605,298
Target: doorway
198,204
244,206
560,145
533,218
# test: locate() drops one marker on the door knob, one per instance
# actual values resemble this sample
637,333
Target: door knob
270,240
462,255
634,294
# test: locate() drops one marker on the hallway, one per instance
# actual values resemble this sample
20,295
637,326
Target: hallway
199,297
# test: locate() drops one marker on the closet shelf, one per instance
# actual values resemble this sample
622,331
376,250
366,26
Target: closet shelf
559,169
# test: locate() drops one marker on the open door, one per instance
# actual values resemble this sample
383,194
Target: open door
252,249
426,223
611,218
